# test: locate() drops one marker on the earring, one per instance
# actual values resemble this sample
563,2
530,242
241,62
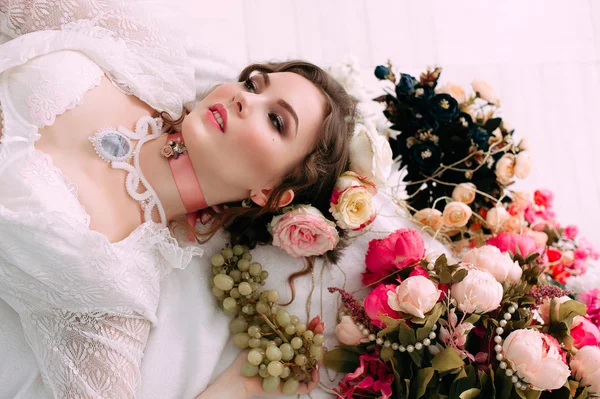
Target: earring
247,203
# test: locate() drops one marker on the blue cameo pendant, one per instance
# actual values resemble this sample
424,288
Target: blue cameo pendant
112,145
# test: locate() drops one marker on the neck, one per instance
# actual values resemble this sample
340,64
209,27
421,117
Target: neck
157,171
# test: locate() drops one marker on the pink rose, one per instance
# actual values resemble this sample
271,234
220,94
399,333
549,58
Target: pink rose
465,193
377,302
543,198
535,359
505,169
416,295
402,248
585,367
303,231
584,332
348,333
515,243
454,90
499,264
496,217
485,91
430,217
523,164
522,199
571,232
513,224
456,214
479,292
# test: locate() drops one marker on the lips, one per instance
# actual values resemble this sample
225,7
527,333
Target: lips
220,109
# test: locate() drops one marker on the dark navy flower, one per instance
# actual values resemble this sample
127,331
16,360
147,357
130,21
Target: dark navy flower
481,137
426,156
406,84
443,107
382,72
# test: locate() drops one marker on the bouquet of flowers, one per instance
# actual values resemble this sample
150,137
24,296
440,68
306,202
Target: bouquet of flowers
480,328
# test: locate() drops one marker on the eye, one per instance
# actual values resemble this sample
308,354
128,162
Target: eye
250,85
277,122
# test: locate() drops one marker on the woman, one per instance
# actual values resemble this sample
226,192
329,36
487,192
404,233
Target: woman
90,180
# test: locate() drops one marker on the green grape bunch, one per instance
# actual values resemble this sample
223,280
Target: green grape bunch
282,350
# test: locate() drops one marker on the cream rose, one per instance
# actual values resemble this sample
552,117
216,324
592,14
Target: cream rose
454,90
430,217
370,154
523,164
535,359
348,333
498,264
524,144
505,169
585,367
303,231
485,91
456,214
416,295
479,292
513,224
496,217
464,192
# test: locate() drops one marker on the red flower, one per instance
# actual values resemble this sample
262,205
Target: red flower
371,379
402,248
543,198
553,255
377,302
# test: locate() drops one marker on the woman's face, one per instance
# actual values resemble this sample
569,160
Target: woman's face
249,135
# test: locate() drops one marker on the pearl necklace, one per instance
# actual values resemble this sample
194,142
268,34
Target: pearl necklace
114,146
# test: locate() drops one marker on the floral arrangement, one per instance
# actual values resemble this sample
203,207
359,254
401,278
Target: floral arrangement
482,327
302,230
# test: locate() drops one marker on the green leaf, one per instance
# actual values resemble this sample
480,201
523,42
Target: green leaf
440,262
528,394
433,317
584,394
387,354
473,318
342,359
445,276
447,360
459,276
420,382
388,321
470,393
407,337
568,310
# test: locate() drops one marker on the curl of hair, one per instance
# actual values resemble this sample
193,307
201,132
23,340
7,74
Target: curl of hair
312,180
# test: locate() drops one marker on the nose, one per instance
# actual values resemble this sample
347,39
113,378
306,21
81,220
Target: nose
242,102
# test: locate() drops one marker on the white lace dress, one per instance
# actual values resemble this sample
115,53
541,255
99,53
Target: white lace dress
85,305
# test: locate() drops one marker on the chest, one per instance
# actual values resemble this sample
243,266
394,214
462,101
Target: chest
101,189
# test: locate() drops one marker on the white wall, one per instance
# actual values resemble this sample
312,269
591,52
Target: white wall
542,56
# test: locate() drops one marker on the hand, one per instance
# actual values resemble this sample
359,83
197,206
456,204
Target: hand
206,215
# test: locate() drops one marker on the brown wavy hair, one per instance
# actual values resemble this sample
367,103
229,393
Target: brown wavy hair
312,180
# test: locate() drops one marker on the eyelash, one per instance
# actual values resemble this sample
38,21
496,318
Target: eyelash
250,85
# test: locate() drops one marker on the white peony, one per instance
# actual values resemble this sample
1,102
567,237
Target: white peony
479,292
498,264
370,154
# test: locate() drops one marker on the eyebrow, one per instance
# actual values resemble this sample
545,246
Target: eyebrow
281,101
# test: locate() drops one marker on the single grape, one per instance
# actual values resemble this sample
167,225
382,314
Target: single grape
263,371
262,308
263,343
223,282
236,275
227,253
273,296
301,360
308,334
297,343
290,387
238,325
254,286
219,293
238,250
290,329
255,357
287,352
318,339
275,368
229,304
216,270
273,352
264,275
246,249
283,318
278,341
316,351
235,293
270,343
245,288
265,329
254,343
255,269
223,271
300,328
243,265
249,370
241,340
270,384
247,256
234,260
254,331
245,276
294,319
217,260
286,372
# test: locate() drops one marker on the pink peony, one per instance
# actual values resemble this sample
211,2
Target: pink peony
591,299
584,332
543,198
535,359
371,379
303,231
585,367
515,243
479,292
377,302
348,333
571,232
416,295
402,248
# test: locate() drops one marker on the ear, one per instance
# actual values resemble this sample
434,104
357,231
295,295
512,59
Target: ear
262,197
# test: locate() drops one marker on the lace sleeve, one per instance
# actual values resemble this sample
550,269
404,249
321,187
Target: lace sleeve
18,17
88,355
